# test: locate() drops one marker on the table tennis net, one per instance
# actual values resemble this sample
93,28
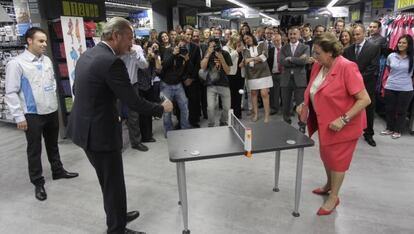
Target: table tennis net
237,126
243,133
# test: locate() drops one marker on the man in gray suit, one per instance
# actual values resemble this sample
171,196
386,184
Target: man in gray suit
293,57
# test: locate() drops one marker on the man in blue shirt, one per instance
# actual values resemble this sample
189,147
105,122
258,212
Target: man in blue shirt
31,97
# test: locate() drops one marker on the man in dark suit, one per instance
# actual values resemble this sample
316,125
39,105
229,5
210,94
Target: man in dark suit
366,55
293,56
276,69
94,124
192,84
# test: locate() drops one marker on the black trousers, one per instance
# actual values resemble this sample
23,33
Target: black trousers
193,93
396,106
370,110
145,121
110,172
287,92
48,127
203,94
275,92
236,83
134,130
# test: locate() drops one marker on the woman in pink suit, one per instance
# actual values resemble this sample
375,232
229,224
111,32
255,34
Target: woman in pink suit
334,105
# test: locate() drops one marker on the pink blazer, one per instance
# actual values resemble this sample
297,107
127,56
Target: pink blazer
333,99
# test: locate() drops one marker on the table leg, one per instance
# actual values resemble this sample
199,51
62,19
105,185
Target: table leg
182,191
178,183
277,169
299,168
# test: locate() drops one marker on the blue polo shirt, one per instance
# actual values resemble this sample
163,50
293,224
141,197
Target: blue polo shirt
399,78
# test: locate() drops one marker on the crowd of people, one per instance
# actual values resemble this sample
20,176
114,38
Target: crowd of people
203,69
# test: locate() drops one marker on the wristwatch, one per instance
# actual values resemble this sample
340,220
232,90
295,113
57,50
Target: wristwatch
345,119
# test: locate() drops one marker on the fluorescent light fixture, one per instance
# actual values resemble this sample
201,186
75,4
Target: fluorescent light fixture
239,3
332,3
282,8
126,6
248,7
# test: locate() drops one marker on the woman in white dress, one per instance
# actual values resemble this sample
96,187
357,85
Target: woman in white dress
257,74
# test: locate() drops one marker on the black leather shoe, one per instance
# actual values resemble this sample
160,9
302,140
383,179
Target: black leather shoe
65,175
140,147
129,231
40,193
370,141
130,216
149,140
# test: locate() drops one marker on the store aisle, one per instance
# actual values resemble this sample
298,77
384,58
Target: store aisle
226,196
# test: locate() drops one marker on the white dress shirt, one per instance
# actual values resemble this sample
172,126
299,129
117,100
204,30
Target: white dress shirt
134,60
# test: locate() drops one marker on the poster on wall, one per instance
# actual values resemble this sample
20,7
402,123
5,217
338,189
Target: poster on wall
21,8
74,41
142,22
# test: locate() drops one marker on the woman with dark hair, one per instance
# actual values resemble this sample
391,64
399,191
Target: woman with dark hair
399,86
257,74
334,105
346,38
245,28
164,42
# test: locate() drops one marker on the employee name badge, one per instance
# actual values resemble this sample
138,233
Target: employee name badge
46,76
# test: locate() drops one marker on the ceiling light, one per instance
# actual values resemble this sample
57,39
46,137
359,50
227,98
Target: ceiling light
332,3
127,6
248,7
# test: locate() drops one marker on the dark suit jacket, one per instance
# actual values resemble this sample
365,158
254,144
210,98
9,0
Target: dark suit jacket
297,65
101,79
368,62
195,58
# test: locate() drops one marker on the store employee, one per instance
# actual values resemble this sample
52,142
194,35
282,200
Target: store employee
31,98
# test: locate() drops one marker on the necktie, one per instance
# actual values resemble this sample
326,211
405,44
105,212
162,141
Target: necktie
293,49
269,44
357,50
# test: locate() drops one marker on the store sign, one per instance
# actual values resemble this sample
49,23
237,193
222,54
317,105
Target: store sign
88,9
74,41
378,4
405,4
208,3
142,22
80,9
190,20
356,15
23,20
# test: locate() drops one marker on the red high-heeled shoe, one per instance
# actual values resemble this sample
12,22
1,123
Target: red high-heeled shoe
322,211
321,192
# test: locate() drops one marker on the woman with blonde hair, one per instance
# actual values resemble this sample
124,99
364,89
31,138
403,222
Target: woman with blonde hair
334,105
346,38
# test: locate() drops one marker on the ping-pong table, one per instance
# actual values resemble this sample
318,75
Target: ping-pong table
219,142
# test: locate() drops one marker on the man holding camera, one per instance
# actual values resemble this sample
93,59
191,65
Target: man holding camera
216,65
175,64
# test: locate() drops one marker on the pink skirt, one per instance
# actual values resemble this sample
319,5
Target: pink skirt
338,157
